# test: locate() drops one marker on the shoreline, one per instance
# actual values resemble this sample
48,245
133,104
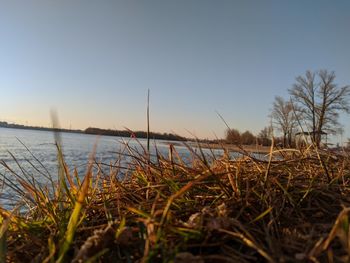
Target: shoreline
248,148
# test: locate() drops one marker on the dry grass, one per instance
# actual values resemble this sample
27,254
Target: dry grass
293,208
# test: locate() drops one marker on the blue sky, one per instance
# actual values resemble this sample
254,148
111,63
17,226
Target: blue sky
93,61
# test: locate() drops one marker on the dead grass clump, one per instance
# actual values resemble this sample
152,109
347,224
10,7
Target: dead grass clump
292,208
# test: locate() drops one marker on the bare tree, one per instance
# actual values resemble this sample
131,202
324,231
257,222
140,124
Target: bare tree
265,136
320,101
247,138
284,118
233,136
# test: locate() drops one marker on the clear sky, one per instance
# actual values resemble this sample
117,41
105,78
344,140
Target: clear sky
93,61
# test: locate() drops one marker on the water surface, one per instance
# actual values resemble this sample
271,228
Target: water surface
77,149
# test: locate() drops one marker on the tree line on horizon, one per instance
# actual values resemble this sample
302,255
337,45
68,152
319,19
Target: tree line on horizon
98,131
135,134
312,110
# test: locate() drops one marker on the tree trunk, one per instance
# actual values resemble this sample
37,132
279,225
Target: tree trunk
284,139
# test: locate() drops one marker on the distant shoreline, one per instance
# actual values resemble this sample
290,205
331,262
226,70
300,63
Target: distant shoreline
259,149
143,135
98,131
248,148
24,127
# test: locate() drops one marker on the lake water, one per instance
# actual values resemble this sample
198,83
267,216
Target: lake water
76,148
